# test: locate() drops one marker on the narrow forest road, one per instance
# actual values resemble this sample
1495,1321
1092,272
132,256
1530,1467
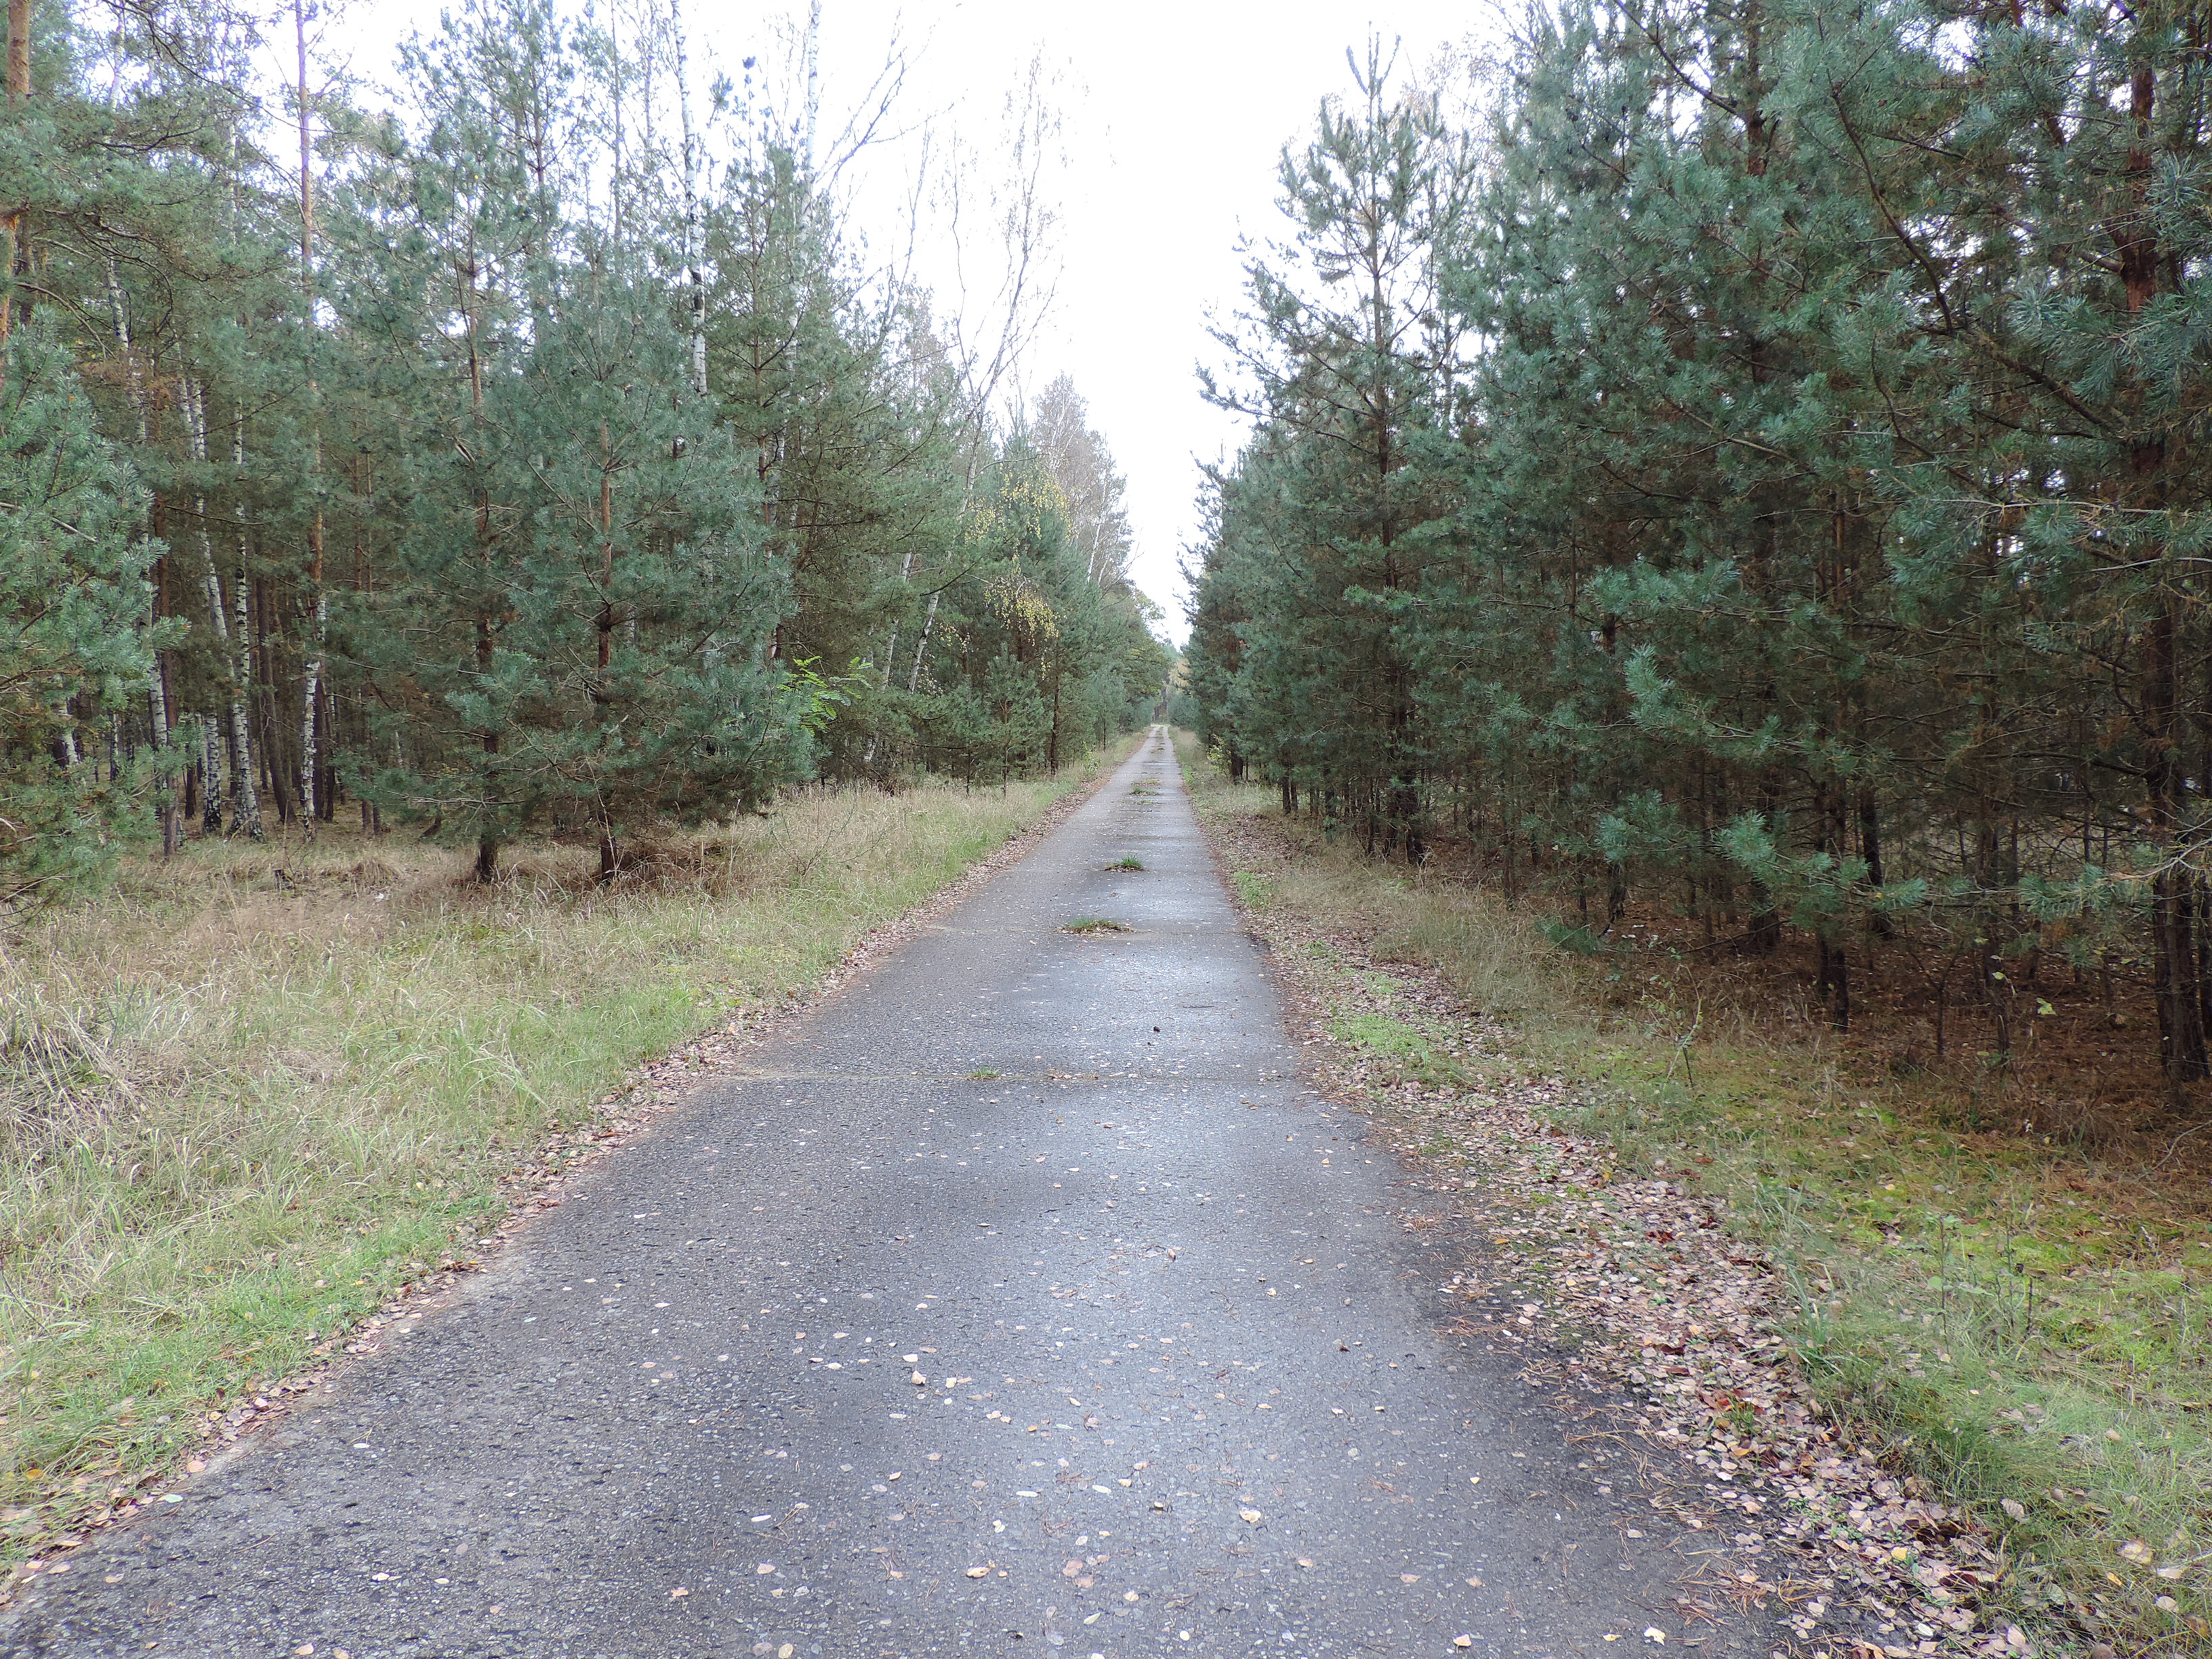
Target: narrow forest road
1022,1300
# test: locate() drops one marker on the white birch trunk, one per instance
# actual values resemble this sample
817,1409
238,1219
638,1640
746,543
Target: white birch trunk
692,276
311,678
157,690
212,777
246,804
913,679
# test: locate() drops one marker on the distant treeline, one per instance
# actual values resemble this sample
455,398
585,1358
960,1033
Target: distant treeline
1753,458
538,460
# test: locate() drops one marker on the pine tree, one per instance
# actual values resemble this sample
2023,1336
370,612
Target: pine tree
435,516
75,644
1334,497
1810,537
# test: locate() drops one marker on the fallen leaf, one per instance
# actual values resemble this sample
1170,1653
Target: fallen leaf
1409,1579
2014,1508
1653,1633
1252,1515
2137,1550
979,1572
1695,1322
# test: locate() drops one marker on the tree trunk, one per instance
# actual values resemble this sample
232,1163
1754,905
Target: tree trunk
487,843
157,718
246,806
245,811
19,51
928,622
2181,1031
1052,743
609,854
310,675
157,694
18,94
1835,954
694,282
1763,933
211,780
311,686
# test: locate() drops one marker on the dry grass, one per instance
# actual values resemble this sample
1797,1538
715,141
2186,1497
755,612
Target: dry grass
254,1090
2027,1323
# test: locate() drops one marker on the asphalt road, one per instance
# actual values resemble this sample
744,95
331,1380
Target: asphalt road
1023,1301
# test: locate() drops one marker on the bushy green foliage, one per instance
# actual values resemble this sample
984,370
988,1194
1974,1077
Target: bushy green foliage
520,470
75,636
1783,444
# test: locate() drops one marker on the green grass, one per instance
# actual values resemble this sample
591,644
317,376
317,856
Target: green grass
252,1092
2028,1325
1254,889
1095,925
1127,864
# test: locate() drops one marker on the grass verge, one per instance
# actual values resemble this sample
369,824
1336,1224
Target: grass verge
2023,1324
252,1093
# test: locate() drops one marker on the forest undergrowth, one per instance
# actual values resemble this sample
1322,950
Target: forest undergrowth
2018,1319
252,1092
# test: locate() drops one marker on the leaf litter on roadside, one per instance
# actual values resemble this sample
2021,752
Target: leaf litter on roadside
1679,1357
535,1185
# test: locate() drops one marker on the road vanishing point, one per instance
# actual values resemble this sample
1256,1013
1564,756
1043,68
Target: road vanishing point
1020,1300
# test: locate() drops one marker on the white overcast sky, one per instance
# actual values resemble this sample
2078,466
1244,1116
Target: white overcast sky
1175,115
